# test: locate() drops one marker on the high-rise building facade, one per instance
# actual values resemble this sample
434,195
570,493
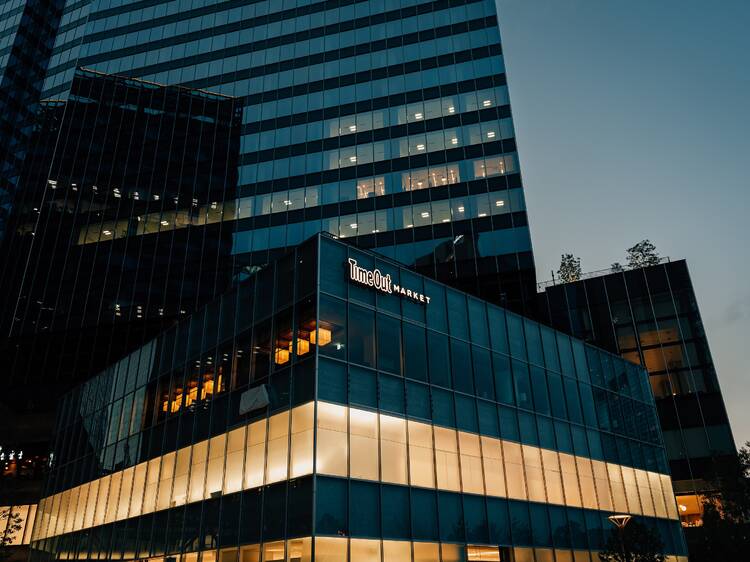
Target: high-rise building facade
650,316
386,122
27,35
116,232
338,406
180,148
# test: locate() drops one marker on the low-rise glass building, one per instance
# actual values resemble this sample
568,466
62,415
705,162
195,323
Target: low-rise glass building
337,406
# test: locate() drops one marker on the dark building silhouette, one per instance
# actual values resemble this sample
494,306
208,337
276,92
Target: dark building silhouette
650,316
116,231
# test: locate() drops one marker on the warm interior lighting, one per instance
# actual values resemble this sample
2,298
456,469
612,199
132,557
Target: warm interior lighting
281,356
322,338
303,346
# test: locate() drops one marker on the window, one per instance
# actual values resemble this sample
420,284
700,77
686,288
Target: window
364,550
330,549
182,473
446,459
255,459
471,463
235,460
278,447
552,477
514,470
421,465
534,474
301,461
570,480
364,444
332,450
165,481
396,551
393,449
215,468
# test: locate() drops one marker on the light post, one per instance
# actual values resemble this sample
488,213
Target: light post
620,521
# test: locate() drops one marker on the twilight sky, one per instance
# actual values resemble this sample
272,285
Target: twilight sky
633,121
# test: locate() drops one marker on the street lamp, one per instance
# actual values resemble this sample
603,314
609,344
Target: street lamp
620,521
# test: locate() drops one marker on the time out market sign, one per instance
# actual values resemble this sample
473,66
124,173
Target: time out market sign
374,278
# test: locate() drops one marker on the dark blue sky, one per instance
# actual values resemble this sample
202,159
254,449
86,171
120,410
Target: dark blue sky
633,121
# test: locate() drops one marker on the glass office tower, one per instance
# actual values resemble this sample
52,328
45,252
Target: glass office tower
650,316
27,34
383,122
116,232
203,138
339,406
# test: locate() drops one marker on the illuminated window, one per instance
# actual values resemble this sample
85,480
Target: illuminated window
198,471
166,478
532,461
492,461
601,480
471,463
181,476
421,463
299,550
644,491
570,480
332,450
514,473
631,490
446,459
330,549
552,477
393,449
426,552
586,479
396,551
273,551
235,461
278,447
301,462
255,459
364,444
363,550
617,487
215,468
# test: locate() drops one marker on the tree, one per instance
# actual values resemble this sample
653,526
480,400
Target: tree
570,268
617,267
725,532
14,523
642,254
634,543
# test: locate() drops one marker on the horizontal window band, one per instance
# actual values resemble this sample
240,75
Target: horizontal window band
290,38
382,102
401,164
308,60
348,79
321,438
385,133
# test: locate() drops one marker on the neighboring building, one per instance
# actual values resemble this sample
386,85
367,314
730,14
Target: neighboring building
120,157
339,406
650,316
27,33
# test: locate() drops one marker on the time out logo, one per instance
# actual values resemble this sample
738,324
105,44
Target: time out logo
374,278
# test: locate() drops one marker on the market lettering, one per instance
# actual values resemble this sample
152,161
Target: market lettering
382,282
